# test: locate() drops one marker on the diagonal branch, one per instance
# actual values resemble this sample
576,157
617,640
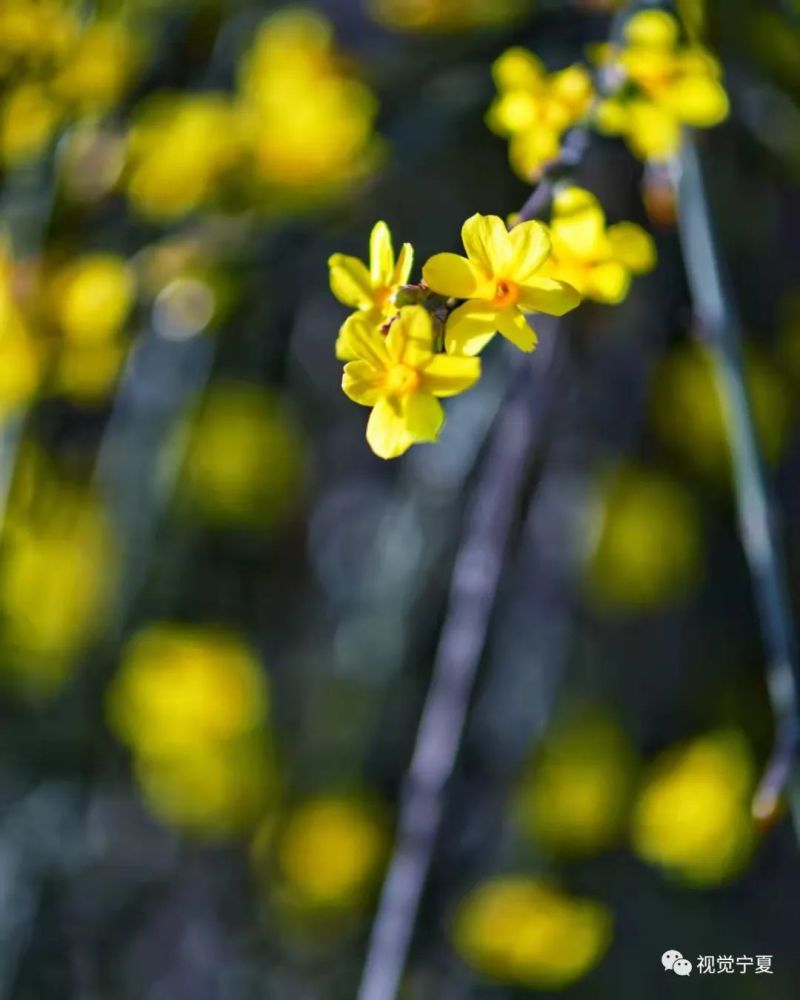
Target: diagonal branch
475,579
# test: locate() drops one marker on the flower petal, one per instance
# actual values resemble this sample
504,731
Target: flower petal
350,281
518,69
423,415
608,282
578,224
410,337
470,328
487,243
696,100
387,433
360,337
359,383
381,255
448,374
654,28
514,327
548,295
632,246
530,243
402,269
451,274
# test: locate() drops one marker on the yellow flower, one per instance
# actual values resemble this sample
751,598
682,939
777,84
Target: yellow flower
675,84
209,791
92,297
502,278
596,260
371,289
100,67
534,108
528,933
28,118
244,458
400,376
693,815
329,851
574,794
309,120
180,151
648,545
183,688
56,574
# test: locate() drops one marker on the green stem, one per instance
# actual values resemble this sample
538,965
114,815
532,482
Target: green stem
721,331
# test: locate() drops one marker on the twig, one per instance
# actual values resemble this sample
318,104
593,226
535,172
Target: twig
572,151
759,532
475,578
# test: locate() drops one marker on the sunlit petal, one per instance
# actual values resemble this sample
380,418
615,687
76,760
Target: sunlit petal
387,433
451,274
423,415
548,295
487,243
530,245
448,374
470,327
350,281
514,327
381,255
359,382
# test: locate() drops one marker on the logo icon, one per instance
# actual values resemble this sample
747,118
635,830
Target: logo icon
675,962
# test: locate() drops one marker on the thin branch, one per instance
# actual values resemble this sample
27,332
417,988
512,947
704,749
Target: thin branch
720,327
473,588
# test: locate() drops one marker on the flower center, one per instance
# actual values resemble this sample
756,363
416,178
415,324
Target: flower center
401,380
506,293
381,297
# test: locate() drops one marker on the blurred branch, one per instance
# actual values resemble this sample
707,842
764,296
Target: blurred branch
720,327
476,575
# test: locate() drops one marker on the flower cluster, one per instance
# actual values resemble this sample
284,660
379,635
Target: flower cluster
57,67
662,84
651,85
400,357
191,703
298,129
534,108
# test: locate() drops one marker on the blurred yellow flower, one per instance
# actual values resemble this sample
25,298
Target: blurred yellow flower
330,852
56,574
186,687
100,67
308,119
400,376
693,817
685,394
244,459
528,933
447,15
502,278
648,545
88,373
534,108
210,791
574,794
596,260
674,84
371,289
92,297
20,359
191,702
28,118
35,33
181,150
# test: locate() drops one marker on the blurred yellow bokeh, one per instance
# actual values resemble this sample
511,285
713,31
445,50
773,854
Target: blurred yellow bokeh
528,933
648,546
447,15
689,417
308,119
329,853
574,794
92,297
692,818
244,458
192,704
57,572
